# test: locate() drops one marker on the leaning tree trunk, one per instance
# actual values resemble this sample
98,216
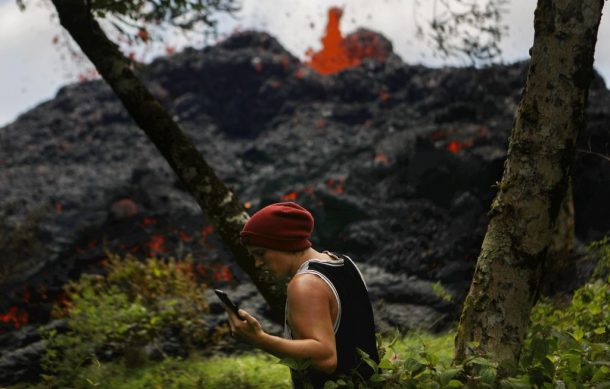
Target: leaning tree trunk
221,206
534,186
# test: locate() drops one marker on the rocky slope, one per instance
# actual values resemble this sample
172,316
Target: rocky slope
396,162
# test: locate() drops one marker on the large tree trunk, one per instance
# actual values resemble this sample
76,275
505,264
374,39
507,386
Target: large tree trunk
524,215
221,206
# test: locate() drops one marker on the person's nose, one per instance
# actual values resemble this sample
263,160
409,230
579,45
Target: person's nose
258,262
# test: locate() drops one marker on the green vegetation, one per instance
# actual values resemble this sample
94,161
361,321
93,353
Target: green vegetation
254,370
566,347
126,313
136,302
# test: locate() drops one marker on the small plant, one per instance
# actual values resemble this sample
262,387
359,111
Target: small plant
134,306
566,347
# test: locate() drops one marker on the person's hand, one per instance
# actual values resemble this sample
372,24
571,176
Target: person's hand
248,329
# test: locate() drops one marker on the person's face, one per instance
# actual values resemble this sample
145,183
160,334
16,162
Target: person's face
270,260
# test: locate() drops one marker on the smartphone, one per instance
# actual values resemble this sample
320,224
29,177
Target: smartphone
227,301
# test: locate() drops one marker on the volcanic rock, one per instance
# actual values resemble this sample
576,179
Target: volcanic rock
398,164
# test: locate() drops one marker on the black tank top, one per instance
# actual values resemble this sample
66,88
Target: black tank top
354,327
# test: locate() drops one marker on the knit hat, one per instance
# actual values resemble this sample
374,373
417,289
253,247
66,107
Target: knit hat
280,226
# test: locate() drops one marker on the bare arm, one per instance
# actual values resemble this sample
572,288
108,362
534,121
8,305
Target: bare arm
310,318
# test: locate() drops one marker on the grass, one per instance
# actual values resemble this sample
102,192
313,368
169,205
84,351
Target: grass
248,370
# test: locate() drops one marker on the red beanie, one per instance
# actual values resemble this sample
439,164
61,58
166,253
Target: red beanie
281,226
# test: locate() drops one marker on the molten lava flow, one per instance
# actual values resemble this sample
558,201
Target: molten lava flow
382,159
206,231
333,57
15,316
289,196
184,236
223,274
455,145
156,244
148,221
336,186
384,95
339,53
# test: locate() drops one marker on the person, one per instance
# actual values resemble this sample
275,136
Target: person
328,314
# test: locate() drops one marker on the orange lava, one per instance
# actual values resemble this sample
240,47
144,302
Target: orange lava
455,146
156,244
184,236
223,274
334,56
336,186
289,196
381,158
15,316
384,95
148,221
205,231
339,53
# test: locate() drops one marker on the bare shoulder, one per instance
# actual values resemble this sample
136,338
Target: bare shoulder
307,284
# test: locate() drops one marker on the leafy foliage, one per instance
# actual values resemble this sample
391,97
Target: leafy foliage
566,347
471,29
136,19
131,308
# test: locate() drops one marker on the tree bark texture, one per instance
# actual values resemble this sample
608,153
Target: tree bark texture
221,206
524,218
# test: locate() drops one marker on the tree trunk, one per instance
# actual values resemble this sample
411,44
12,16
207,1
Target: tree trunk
525,215
221,206
564,234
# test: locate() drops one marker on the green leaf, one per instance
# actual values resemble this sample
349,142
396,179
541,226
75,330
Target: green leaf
515,383
480,361
385,364
600,374
441,292
365,357
447,375
539,349
488,375
455,384
330,385
578,334
600,330
430,358
414,366
377,378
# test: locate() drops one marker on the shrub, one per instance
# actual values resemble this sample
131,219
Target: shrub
566,347
134,306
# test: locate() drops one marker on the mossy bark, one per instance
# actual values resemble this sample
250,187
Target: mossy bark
532,203
221,206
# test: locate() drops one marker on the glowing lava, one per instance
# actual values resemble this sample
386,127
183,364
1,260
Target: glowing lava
15,316
339,53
